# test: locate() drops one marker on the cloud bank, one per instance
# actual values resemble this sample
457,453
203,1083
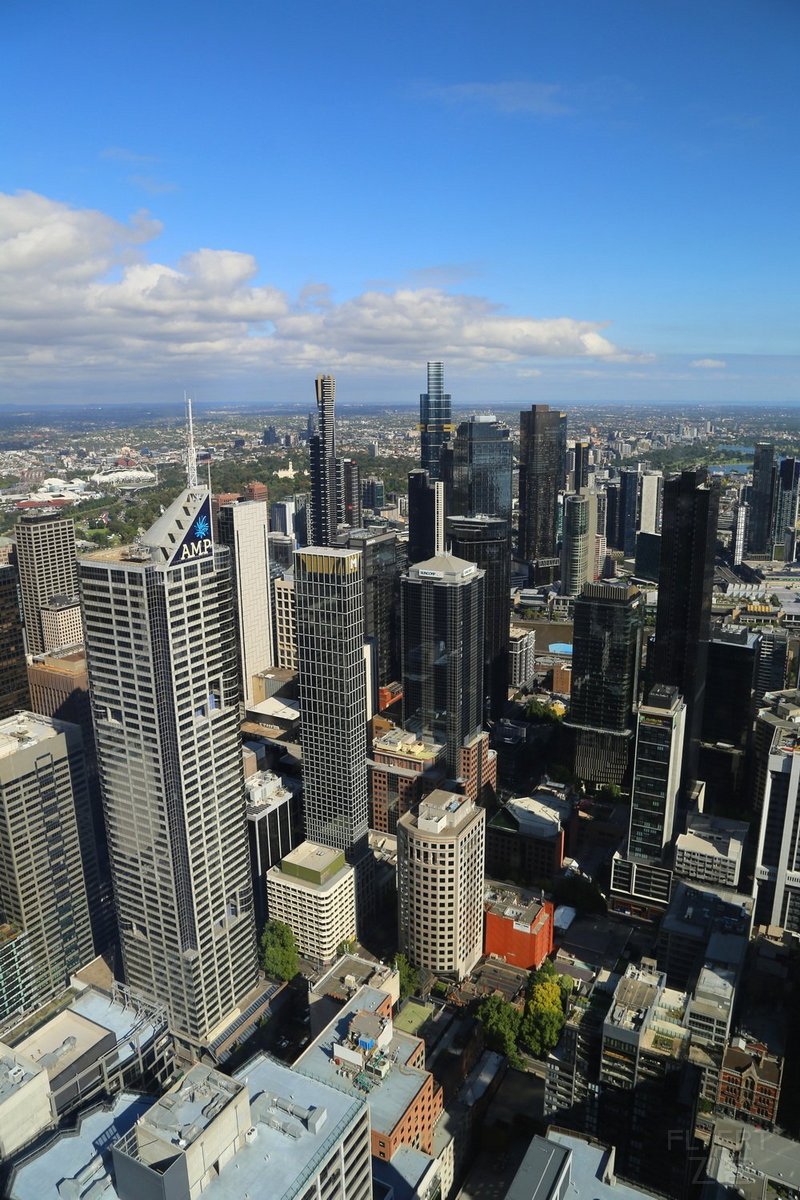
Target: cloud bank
83,298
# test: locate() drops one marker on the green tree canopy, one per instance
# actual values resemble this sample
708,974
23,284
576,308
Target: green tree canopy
409,980
501,1023
279,957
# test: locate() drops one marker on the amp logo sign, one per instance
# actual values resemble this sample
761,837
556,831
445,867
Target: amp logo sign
197,542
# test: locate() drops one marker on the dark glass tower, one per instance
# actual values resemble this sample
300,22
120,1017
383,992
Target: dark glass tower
685,580
442,607
581,472
628,511
435,419
323,509
477,469
542,451
606,652
381,568
13,673
761,499
784,510
485,541
421,516
348,482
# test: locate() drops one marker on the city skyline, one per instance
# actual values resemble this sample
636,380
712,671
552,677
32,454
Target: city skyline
599,233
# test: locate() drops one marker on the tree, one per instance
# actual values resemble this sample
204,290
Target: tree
501,1024
279,957
409,979
544,1018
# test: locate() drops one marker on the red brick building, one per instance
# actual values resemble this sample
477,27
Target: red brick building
750,1084
518,928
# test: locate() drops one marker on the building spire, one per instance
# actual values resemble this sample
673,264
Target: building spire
191,453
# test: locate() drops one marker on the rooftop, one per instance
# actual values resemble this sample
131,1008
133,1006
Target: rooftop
16,1069
26,729
180,1116
390,1096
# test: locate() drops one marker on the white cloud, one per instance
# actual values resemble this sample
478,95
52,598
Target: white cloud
709,364
82,301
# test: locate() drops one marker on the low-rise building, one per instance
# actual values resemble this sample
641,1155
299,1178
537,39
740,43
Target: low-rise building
711,850
527,838
26,1107
401,769
518,926
314,891
750,1084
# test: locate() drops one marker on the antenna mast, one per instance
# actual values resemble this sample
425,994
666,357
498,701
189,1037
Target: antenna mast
191,453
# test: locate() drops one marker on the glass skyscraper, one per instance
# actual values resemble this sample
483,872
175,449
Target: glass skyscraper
541,470
486,542
435,420
477,467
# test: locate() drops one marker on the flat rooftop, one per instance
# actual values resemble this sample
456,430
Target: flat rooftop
25,729
588,1170
16,1069
180,1117
388,1098
313,856
62,1040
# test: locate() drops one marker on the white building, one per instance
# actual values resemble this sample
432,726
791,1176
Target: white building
440,867
521,655
711,850
244,529
313,891
161,650
61,622
285,624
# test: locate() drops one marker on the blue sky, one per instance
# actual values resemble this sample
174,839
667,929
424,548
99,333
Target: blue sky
584,199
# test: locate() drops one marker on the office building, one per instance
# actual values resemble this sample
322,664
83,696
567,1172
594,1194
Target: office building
648,557
381,559
215,1136
641,883
518,926
46,560
270,833
649,1086
486,541
711,850
440,866
683,615
426,516
244,529
651,484
541,469
348,492
777,799
402,768
59,688
313,891
442,621
527,837
61,623
44,816
628,512
606,653
477,469
324,502
521,656
771,663
281,517
581,469
13,676
435,420
329,585
284,608
161,646
784,510
578,543
728,710
760,524
373,493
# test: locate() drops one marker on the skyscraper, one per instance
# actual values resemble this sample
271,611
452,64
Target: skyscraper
607,644
161,644
651,485
628,511
758,539
323,510
581,472
43,800
783,544
46,558
440,870
425,515
486,541
683,615
479,465
244,529
777,798
381,570
435,420
13,676
540,472
329,589
578,543
442,607
348,492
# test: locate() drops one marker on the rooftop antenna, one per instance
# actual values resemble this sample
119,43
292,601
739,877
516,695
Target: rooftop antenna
191,453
